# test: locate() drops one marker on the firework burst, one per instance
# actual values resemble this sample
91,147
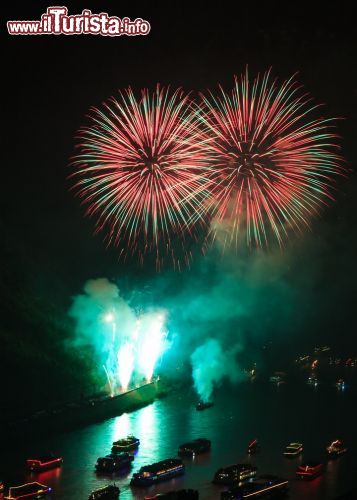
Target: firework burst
273,161
141,170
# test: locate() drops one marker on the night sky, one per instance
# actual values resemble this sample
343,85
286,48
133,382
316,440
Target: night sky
307,293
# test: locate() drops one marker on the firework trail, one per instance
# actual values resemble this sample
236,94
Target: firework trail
109,379
141,170
127,344
273,160
152,342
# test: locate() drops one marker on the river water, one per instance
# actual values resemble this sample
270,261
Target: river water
275,415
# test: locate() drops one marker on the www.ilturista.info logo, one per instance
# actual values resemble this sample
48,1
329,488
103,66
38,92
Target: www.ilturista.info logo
56,21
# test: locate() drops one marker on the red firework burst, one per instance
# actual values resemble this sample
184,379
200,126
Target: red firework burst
141,169
273,161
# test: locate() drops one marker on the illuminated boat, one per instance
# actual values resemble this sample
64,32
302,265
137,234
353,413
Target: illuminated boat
264,487
312,380
324,348
293,450
114,462
253,447
2,487
28,490
234,474
309,470
336,449
42,463
176,495
314,364
110,492
203,405
340,384
351,362
195,447
278,378
160,471
130,443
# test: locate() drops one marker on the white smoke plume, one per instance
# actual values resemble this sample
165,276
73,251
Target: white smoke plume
211,365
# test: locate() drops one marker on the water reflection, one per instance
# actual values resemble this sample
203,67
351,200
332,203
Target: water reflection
309,490
334,474
121,427
237,416
52,476
148,428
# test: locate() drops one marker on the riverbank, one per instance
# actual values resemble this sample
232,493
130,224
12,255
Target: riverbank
83,412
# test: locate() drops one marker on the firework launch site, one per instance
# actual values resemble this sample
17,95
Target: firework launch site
179,240
74,414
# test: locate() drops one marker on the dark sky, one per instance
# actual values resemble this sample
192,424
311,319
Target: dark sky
52,81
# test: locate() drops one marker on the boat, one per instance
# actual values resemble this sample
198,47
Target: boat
157,472
234,474
314,364
264,487
110,492
278,378
28,490
130,443
253,447
2,487
336,449
312,380
309,470
293,450
340,384
303,360
324,348
114,462
44,462
201,405
176,495
195,447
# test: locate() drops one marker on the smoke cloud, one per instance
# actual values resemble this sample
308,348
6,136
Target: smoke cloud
127,343
210,365
225,310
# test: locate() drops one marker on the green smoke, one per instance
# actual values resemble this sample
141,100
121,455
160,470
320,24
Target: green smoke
127,344
211,365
